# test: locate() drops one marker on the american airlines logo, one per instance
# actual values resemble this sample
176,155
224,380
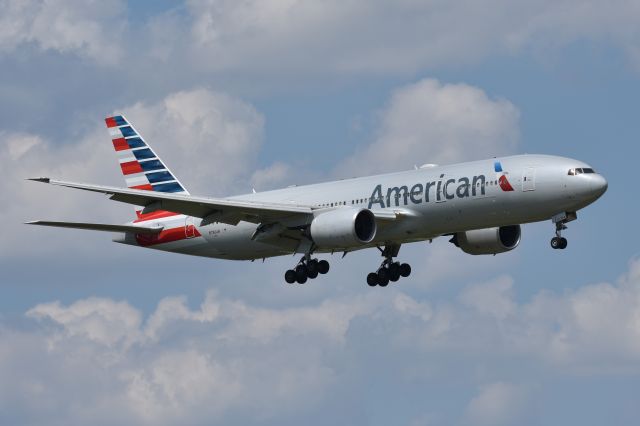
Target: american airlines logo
501,177
440,190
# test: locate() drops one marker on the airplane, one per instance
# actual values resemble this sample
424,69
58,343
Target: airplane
480,205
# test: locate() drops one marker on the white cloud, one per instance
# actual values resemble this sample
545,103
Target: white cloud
299,38
430,122
92,29
102,321
271,176
174,309
598,324
493,298
170,368
231,360
177,382
496,404
374,37
18,144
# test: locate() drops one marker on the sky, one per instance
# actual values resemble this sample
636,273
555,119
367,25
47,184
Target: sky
267,93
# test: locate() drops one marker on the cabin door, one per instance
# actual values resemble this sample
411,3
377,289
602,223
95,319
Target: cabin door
529,179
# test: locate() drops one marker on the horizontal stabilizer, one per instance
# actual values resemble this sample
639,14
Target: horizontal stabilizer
220,209
98,227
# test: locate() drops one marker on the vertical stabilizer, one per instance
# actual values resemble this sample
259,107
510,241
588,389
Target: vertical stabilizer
140,166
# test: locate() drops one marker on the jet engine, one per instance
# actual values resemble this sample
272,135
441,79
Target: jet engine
343,228
489,240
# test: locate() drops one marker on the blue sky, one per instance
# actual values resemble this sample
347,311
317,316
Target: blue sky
235,95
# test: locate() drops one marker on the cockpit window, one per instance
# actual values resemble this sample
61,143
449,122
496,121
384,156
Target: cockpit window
579,171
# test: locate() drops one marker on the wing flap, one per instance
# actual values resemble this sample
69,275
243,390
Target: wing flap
98,227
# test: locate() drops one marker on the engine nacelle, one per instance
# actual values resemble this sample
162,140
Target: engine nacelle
489,240
343,228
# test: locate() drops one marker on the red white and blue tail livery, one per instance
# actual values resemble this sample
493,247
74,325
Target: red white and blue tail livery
477,204
141,167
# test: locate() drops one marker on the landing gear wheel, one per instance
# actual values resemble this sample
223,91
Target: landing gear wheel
290,276
563,243
312,268
323,267
383,277
301,274
405,270
394,272
372,279
555,243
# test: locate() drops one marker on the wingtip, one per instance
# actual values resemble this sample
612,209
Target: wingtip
40,179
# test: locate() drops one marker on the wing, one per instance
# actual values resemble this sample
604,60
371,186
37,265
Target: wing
209,209
99,227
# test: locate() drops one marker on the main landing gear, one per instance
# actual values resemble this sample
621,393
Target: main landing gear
306,268
389,270
559,242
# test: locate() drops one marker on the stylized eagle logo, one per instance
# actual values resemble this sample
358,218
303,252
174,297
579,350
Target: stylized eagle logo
501,176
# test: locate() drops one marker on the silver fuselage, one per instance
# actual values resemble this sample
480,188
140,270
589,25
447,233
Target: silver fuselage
430,201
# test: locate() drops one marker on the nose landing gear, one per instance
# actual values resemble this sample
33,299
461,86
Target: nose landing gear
559,242
389,271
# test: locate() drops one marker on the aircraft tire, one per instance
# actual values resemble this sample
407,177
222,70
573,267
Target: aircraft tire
372,279
394,272
312,273
563,243
290,276
323,267
383,277
313,267
301,274
405,270
555,243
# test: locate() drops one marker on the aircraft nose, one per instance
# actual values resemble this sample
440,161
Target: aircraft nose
599,185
